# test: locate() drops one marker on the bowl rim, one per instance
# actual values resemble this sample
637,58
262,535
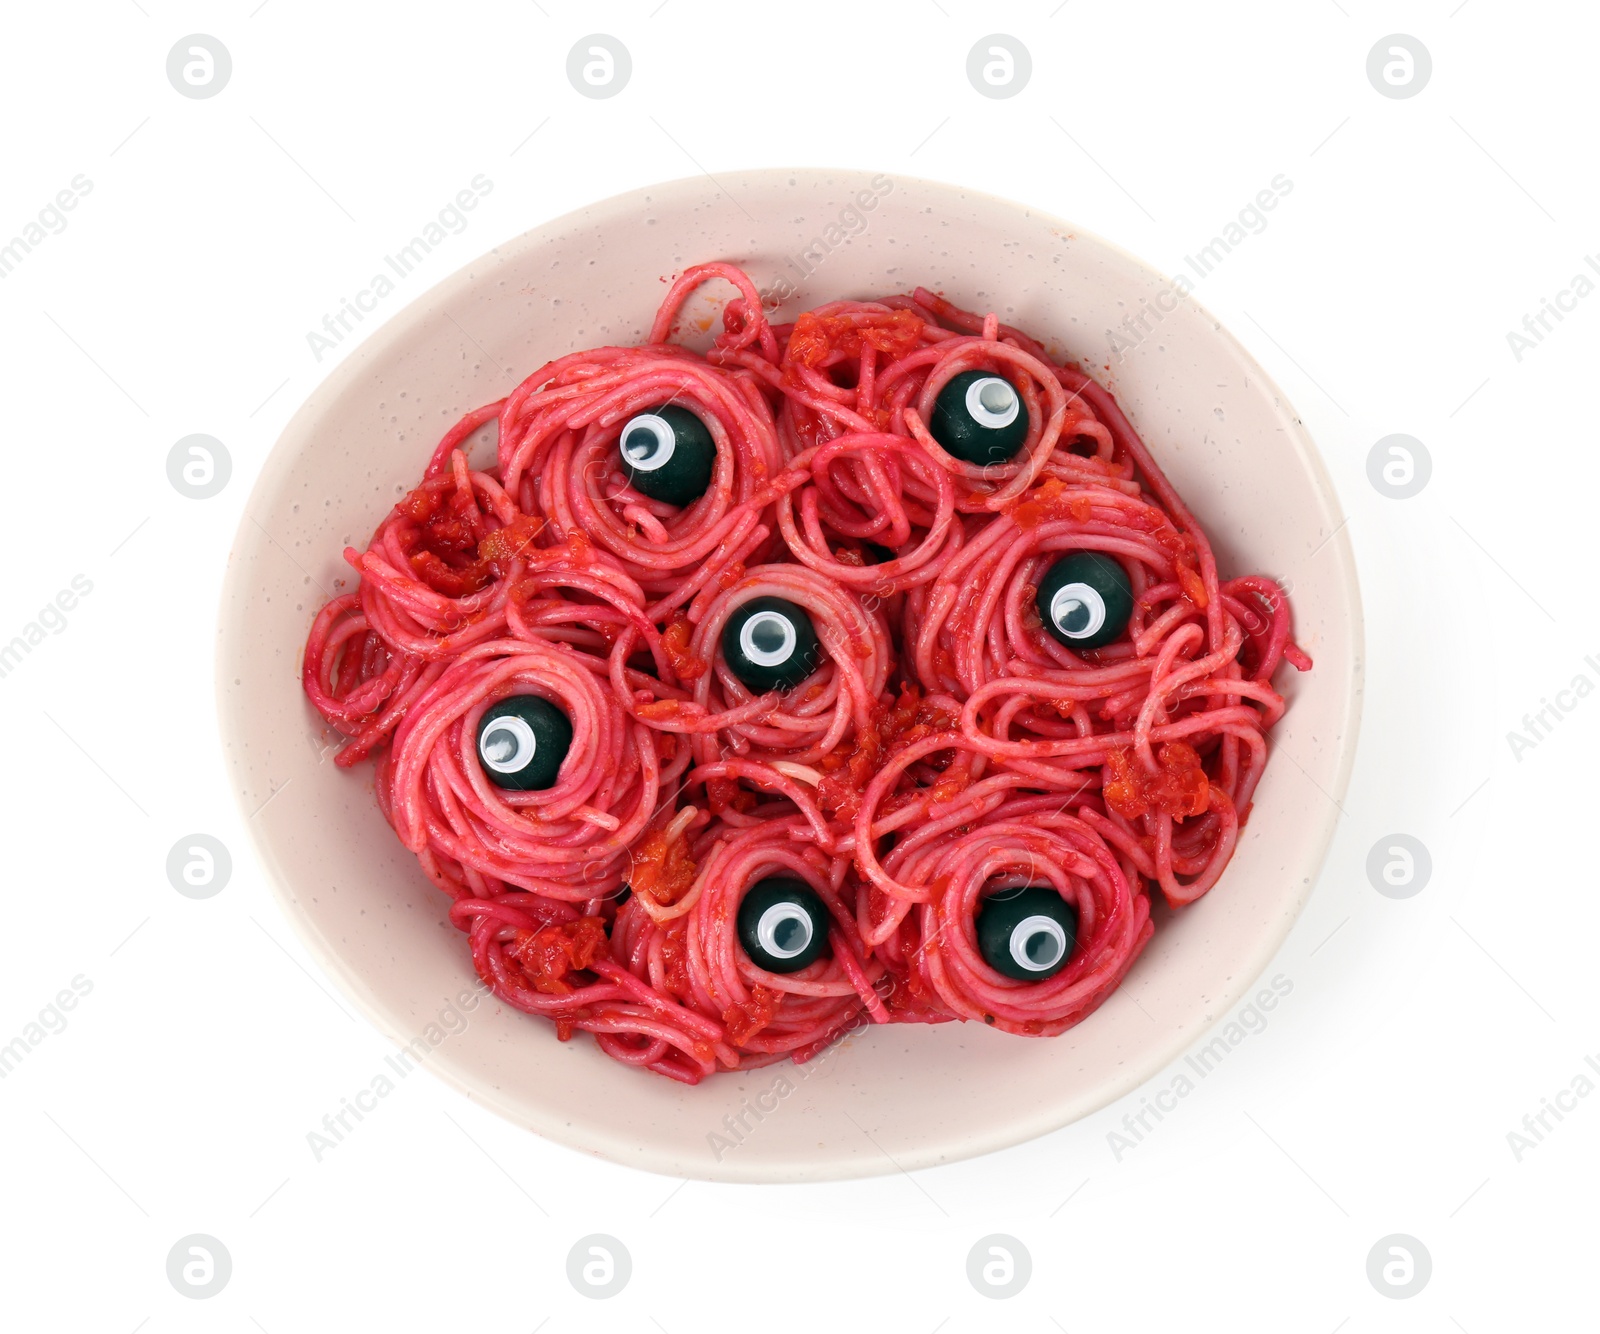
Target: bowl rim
1141,1067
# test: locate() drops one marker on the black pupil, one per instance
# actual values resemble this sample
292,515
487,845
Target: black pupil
1041,948
499,745
790,934
767,634
1075,619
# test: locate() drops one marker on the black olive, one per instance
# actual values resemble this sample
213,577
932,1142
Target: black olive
770,644
1085,599
521,742
669,454
783,924
979,417
1027,933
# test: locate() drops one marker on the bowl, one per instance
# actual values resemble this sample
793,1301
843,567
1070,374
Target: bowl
897,1097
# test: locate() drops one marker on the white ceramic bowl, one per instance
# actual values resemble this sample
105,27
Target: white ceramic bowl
907,1096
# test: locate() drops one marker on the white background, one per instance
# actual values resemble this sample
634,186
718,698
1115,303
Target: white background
1418,1033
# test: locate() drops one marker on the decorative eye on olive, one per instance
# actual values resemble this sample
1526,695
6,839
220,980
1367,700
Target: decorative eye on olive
1085,600
979,417
521,743
1027,933
770,645
669,454
783,924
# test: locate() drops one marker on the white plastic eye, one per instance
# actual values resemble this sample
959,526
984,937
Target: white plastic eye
768,639
785,930
993,402
507,745
1077,610
648,442
1038,943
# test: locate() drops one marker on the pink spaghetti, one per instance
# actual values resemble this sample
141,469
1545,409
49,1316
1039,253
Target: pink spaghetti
864,667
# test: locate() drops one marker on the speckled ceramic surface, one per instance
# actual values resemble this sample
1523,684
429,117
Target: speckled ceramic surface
906,1096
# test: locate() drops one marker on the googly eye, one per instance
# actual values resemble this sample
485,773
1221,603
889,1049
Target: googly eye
784,931
767,638
647,443
979,417
668,454
521,743
770,644
1077,610
783,924
507,745
993,402
1027,933
1038,944
1085,600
